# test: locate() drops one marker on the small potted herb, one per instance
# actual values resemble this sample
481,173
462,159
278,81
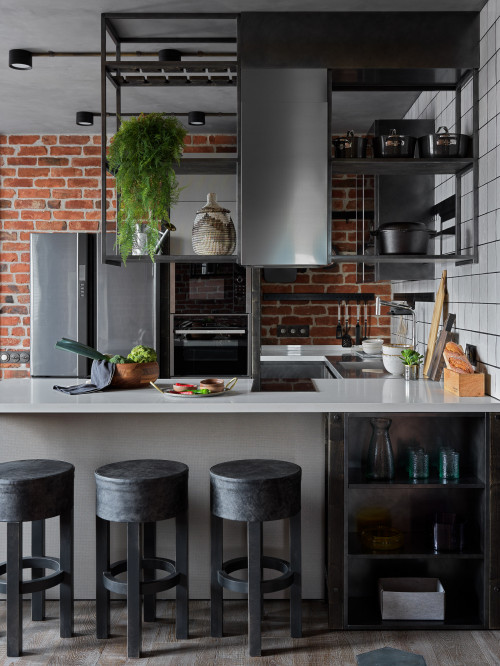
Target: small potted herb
411,360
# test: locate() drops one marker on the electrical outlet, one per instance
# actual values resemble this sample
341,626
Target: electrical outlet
282,331
22,356
293,331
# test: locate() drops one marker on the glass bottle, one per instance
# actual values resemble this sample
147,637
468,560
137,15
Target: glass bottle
380,457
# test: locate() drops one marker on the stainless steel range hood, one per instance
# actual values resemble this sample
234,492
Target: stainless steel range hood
285,140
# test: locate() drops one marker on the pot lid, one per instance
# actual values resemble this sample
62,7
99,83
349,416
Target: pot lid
394,135
443,131
403,226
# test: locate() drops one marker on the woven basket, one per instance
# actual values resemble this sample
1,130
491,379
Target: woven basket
213,229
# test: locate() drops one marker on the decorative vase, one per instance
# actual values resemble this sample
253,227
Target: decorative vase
380,457
213,229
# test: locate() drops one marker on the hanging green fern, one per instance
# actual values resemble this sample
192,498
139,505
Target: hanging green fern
142,155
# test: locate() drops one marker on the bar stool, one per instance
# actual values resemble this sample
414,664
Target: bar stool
32,491
255,491
140,493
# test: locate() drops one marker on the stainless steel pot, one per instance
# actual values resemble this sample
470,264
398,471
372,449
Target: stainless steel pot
443,144
394,145
350,145
403,237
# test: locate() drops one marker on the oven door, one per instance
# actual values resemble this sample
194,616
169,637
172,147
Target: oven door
209,351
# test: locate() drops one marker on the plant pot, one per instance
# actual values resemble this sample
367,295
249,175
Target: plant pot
411,372
140,245
213,229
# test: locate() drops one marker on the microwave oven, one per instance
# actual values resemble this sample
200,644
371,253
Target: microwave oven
211,288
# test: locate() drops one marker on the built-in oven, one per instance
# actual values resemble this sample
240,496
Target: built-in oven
222,288
209,346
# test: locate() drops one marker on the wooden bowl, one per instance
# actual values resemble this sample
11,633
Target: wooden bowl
213,385
135,375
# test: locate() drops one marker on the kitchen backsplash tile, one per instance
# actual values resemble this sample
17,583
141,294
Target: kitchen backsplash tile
474,289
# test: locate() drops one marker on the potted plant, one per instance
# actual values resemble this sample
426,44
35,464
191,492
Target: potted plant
411,360
142,156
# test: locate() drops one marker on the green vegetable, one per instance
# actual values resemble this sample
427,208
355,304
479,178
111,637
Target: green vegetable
119,359
411,357
142,354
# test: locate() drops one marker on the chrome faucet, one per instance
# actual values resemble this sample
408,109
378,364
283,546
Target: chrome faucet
396,310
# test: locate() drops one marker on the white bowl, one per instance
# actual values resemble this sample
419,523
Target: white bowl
372,345
390,358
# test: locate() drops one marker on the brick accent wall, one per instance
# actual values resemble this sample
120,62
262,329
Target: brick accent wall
322,316
51,183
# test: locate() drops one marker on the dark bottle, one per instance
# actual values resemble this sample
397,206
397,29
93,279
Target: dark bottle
380,457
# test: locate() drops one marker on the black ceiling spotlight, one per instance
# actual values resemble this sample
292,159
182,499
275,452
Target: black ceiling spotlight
196,118
20,59
84,118
169,54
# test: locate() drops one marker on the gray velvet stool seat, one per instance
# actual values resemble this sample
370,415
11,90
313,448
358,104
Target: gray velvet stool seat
255,491
140,493
33,491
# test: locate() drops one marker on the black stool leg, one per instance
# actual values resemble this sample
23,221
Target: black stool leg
182,589
102,564
149,574
14,598
254,588
134,557
216,592
66,600
296,587
38,549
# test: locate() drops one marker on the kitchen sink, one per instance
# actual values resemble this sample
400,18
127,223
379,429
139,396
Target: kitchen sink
295,370
355,366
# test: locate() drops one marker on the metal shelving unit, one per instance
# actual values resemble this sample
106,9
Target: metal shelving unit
419,166
193,72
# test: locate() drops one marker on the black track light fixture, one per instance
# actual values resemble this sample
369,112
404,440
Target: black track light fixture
196,118
171,55
85,118
20,59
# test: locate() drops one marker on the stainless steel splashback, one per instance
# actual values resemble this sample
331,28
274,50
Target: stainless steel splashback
285,144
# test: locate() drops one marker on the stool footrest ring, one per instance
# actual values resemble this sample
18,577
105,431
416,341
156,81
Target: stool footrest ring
272,585
146,587
37,584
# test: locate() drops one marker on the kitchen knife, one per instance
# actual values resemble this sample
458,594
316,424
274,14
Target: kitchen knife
346,338
338,333
358,329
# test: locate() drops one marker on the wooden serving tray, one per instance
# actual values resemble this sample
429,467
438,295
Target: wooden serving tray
465,386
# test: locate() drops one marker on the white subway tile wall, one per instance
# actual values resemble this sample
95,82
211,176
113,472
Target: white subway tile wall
473,289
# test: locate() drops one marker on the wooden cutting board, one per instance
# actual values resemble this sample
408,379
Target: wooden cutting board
436,316
437,360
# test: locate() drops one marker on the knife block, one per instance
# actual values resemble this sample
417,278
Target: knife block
465,386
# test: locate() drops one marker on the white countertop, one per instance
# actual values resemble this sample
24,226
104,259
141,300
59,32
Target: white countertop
391,394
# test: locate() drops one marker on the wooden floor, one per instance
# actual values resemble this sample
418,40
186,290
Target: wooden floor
319,646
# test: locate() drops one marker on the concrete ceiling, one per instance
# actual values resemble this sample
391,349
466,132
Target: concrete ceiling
46,98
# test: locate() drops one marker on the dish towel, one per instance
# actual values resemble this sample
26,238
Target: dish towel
101,375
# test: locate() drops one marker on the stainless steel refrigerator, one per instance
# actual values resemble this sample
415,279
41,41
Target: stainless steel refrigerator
73,295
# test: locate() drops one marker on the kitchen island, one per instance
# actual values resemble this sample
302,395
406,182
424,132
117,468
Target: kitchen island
305,428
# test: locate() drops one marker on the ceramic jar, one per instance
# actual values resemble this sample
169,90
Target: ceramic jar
213,229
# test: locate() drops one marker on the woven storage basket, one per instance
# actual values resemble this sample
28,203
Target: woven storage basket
213,229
